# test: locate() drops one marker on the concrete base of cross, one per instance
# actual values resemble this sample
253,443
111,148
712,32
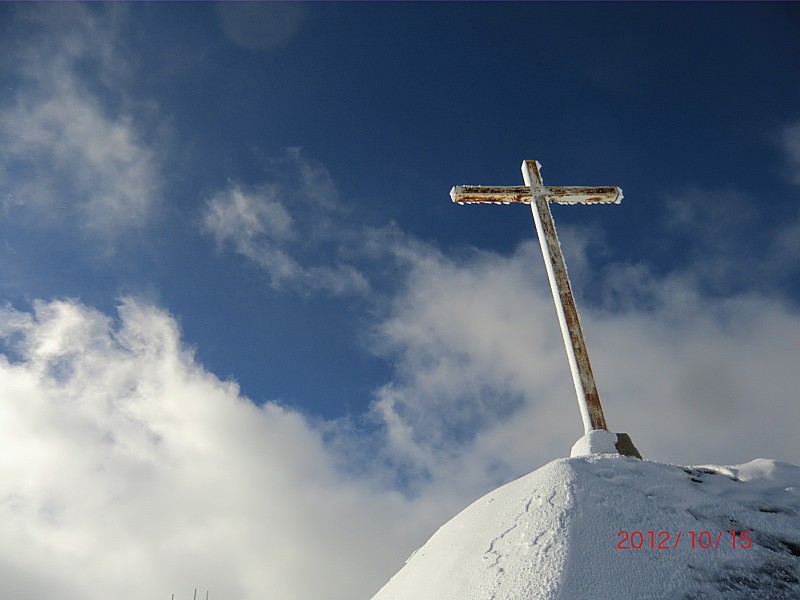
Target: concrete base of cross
600,441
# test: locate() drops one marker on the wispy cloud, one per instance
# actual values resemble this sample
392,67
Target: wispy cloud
790,139
724,241
714,231
261,26
787,241
294,227
291,227
66,153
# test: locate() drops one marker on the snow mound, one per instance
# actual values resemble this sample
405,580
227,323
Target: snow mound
567,531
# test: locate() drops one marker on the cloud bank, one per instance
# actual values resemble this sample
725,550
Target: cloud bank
128,471
482,377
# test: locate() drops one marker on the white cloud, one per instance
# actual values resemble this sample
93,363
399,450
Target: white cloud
65,154
291,227
261,25
114,437
128,471
483,380
294,227
255,225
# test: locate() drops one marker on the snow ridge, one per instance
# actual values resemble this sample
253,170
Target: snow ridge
559,533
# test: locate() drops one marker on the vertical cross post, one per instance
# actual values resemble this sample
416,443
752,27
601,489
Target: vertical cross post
575,345
539,196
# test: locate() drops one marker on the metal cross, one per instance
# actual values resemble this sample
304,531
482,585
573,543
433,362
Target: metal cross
539,197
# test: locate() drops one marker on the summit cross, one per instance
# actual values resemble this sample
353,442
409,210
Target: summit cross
539,197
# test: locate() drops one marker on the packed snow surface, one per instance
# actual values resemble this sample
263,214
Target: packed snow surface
566,531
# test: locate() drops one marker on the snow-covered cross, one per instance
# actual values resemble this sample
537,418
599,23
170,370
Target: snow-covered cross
539,197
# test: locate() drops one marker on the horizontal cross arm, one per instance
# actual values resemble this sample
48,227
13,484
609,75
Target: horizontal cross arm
561,194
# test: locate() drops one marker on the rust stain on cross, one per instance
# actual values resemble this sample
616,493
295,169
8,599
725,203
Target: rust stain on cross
539,197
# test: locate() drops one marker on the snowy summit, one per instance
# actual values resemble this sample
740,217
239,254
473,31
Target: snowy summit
610,526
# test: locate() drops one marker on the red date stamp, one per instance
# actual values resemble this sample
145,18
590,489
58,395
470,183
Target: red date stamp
666,540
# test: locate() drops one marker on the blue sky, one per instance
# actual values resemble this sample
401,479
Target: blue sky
224,223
